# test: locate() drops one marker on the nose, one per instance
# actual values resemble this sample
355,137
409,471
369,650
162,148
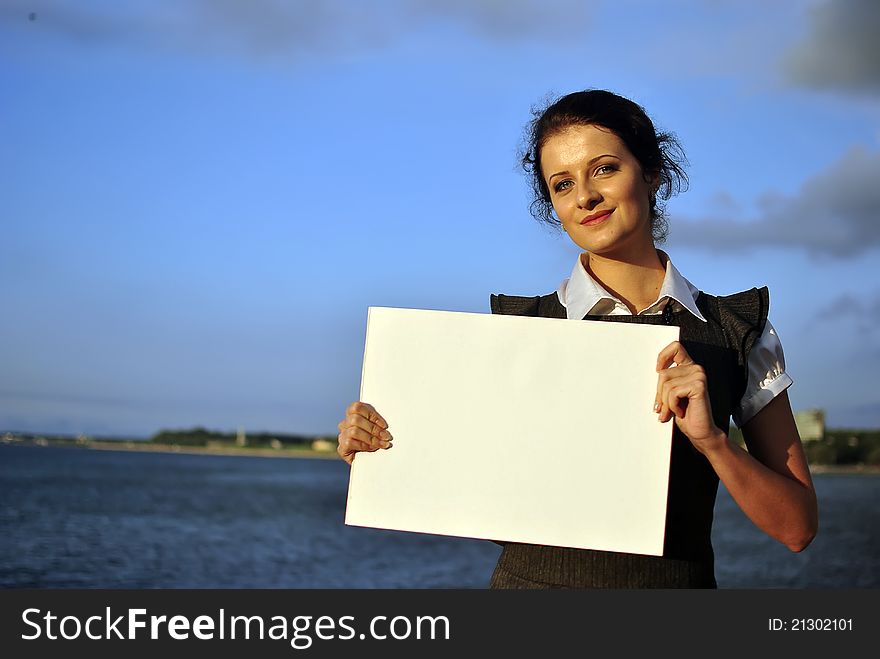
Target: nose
588,196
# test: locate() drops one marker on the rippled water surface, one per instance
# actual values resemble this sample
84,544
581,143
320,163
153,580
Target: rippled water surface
76,518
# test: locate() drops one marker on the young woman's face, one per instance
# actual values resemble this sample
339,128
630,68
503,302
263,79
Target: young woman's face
598,190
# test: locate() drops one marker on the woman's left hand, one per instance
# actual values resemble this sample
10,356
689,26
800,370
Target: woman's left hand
683,394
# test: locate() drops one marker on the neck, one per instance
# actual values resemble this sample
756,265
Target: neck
635,281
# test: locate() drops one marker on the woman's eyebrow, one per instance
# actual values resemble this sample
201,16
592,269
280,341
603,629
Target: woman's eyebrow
590,162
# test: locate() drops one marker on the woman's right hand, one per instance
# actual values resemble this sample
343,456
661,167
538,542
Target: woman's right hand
362,429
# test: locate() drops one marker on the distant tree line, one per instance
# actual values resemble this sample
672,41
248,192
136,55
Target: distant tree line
845,447
202,437
839,446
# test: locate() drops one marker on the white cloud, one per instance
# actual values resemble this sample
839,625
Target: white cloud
836,213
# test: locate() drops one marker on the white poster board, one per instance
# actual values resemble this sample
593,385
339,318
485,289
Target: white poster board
512,428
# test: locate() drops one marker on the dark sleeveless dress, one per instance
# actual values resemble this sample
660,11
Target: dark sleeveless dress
721,346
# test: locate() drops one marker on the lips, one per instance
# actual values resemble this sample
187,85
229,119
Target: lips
596,218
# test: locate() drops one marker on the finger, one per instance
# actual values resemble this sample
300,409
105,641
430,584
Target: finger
678,373
665,379
673,353
353,432
668,376
679,396
367,411
665,414
689,382
358,421
674,401
658,394
669,385
665,359
660,397
348,454
349,444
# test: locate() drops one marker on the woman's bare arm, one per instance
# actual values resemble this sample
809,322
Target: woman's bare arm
771,481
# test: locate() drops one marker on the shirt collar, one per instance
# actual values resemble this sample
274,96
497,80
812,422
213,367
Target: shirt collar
580,294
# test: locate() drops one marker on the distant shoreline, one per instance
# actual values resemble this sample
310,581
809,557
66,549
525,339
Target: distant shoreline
845,469
213,450
149,447
311,454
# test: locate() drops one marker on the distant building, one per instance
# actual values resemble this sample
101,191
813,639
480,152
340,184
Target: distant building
241,438
322,444
810,424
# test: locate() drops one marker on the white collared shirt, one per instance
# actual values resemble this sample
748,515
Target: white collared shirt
581,295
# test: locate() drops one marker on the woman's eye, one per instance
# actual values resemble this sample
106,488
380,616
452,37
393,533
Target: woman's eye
604,169
562,185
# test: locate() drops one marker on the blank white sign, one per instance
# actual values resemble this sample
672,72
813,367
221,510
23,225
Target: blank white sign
511,428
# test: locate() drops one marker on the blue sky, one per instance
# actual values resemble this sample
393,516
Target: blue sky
199,200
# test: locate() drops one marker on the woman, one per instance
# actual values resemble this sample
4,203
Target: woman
599,169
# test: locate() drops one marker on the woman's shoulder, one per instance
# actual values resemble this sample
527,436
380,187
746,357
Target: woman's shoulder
742,316
750,306
546,306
